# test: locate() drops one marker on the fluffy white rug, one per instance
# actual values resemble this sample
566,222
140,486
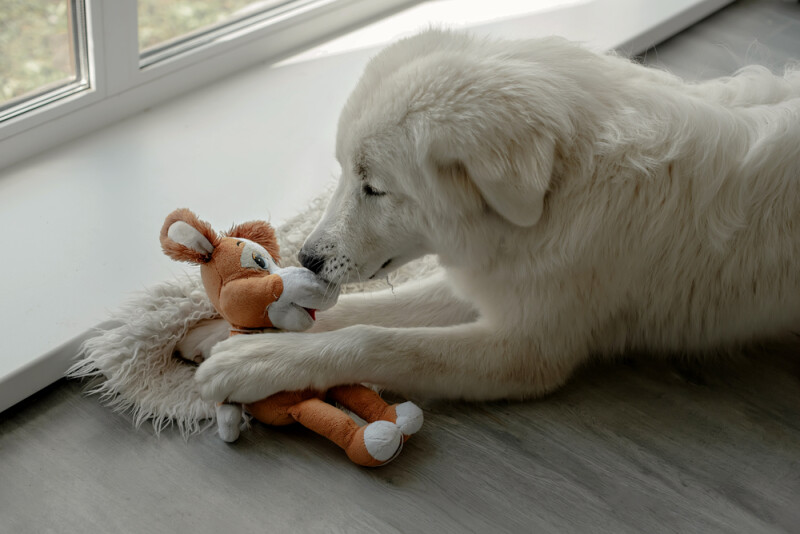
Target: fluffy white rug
133,366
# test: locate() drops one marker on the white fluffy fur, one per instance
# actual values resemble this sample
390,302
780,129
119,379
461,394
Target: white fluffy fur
133,362
582,204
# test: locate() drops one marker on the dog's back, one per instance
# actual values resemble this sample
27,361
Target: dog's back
701,202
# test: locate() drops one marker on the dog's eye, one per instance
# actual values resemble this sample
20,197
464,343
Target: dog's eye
260,261
371,191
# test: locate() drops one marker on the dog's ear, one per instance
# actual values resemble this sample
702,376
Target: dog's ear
494,134
511,179
184,237
259,232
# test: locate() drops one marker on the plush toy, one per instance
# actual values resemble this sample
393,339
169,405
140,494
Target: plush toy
249,290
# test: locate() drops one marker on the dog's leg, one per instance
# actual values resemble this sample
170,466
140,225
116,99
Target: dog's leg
429,302
472,361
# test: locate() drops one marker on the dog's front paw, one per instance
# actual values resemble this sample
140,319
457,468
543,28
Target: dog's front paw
226,373
247,368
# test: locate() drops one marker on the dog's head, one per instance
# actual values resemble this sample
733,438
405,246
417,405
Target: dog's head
440,138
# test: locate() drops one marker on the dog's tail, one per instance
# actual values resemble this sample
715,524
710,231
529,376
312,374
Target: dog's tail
752,86
792,76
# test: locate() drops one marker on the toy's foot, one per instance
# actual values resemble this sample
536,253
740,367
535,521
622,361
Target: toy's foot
408,418
229,416
376,444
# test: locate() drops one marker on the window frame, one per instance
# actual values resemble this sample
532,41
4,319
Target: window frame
43,96
118,87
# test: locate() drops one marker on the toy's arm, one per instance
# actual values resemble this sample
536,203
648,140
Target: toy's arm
245,300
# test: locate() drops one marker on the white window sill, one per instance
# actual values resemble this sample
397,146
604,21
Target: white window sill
81,223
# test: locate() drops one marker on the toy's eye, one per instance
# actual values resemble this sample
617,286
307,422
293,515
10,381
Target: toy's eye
259,259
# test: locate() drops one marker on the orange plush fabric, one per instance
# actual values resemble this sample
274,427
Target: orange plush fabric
181,252
240,295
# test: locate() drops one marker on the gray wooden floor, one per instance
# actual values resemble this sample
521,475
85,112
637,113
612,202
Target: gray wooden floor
630,447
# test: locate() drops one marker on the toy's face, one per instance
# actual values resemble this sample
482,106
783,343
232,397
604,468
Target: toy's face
241,276
230,278
237,257
291,303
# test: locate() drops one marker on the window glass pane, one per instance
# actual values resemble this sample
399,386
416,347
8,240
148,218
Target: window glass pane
163,21
37,48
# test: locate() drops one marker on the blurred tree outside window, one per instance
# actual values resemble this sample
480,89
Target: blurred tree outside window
161,21
37,37
37,47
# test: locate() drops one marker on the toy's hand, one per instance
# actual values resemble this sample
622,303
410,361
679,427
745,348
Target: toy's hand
196,345
247,368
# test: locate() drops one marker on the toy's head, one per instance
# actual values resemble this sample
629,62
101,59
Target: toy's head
241,275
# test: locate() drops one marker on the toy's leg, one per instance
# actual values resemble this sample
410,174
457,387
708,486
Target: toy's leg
274,410
229,417
371,445
369,405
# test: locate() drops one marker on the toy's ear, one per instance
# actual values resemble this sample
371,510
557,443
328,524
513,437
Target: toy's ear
259,232
184,237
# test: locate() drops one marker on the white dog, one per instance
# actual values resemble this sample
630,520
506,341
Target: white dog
580,204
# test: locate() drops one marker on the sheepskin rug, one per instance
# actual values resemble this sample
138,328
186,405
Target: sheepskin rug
132,367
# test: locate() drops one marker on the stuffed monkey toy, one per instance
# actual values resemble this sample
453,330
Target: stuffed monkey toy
249,290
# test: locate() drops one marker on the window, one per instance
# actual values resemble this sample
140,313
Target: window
72,66
162,23
44,53
166,28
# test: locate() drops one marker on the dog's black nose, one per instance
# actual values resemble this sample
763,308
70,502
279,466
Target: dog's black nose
310,261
